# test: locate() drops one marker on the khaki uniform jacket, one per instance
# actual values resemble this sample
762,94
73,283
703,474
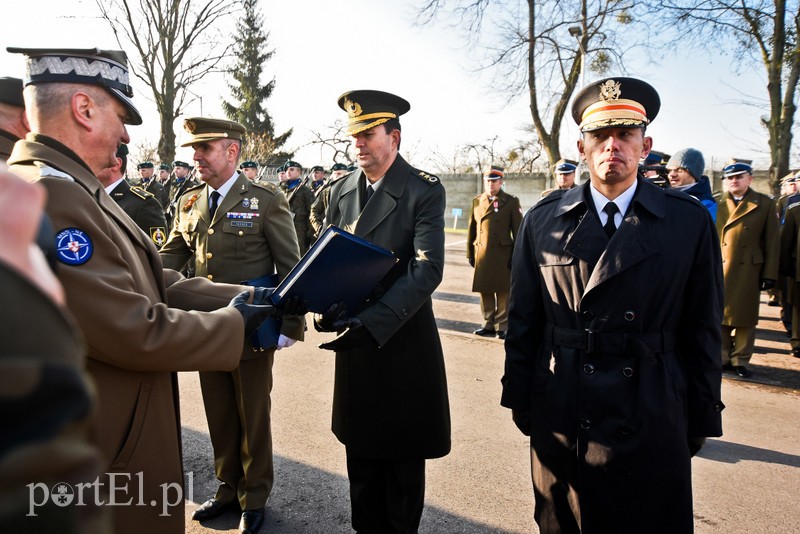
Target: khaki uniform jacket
490,241
46,403
251,236
749,237
7,141
136,340
144,209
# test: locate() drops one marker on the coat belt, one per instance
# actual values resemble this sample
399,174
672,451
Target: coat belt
590,341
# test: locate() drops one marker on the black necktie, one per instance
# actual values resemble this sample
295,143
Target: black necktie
369,194
212,206
611,209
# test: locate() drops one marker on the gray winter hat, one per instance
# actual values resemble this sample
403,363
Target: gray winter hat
690,159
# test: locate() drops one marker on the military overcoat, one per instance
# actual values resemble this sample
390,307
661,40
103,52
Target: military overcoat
301,198
493,226
144,209
613,347
392,402
750,241
118,290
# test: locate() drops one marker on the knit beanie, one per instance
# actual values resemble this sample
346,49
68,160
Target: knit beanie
690,159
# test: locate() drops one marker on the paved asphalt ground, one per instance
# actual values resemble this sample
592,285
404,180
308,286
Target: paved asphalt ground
747,481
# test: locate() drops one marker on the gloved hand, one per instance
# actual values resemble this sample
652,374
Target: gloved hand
355,336
471,262
695,444
522,420
285,342
767,284
335,319
291,306
253,314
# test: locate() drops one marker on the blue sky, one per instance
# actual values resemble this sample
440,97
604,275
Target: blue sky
326,48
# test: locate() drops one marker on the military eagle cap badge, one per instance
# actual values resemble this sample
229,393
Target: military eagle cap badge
610,90
353,108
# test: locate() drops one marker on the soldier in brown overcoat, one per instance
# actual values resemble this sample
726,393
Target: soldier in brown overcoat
748,228
493,225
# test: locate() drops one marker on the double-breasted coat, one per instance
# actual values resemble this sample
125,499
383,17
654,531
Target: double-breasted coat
493,227
130,311
391,402
613,348
749,235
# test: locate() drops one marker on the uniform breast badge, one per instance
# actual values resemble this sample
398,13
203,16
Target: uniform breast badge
246,203
73,246
190,203
253,203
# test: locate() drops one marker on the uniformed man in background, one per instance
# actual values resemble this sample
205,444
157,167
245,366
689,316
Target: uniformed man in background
300,198
151,184
748,227
564,175
13,122
249,169
115,284
140,205
390,403
493,225
317,178
238,231
322,195
164,176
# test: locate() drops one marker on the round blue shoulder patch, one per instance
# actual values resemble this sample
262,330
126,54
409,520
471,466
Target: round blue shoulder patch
73,246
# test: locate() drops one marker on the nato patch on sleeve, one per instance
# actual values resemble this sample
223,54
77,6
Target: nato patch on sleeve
73,246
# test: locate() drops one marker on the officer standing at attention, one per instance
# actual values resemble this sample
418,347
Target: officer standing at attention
749,234
300,198
493,225
615,378
237,231
151,184
115,284
564,175
322,195
164,177
249,169
140,205
390,403
13,122
317,178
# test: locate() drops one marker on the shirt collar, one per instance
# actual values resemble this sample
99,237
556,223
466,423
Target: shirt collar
622,201
113,186
377,185
225,188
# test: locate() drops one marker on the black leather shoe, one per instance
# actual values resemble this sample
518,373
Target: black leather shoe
727,367
501,334
796,353
742,371
210,509
485,332
251,521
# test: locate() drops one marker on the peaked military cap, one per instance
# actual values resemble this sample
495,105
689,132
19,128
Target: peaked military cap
183,164
495,172
291,163
145,165
735,169
566,166
338,167
740,160
656,158
248,165
11,91
163,167
106,68
203,129
789,178
614,103
122,151
367,108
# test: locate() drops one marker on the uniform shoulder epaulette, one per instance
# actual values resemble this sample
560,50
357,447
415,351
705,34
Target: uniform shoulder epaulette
268,186
192,188
141,193
553,196
422,175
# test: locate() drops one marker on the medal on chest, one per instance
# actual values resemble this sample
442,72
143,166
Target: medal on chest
495,206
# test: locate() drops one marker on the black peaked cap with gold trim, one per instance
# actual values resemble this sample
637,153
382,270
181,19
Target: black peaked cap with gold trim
615,103
202,129
367,108
106,68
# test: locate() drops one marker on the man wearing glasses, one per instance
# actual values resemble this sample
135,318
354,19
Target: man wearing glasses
748,226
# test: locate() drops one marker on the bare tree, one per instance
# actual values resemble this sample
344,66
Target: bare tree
764,32
336,140
177,44
538,47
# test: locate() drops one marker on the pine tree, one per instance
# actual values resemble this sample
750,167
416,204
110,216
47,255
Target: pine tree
252,52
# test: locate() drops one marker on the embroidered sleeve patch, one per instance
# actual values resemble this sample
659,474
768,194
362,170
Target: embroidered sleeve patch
159,235
73,246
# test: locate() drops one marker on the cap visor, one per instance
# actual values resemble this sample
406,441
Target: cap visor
613,123
134,117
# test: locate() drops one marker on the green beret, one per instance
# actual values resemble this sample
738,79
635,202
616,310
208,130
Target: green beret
145,165
248,165
177,163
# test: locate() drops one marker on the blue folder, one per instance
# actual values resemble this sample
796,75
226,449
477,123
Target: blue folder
265,336
339,266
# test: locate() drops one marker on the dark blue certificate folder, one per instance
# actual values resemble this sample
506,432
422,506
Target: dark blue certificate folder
339,266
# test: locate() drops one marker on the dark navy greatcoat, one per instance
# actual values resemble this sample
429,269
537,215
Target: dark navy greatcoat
614,348
391,402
